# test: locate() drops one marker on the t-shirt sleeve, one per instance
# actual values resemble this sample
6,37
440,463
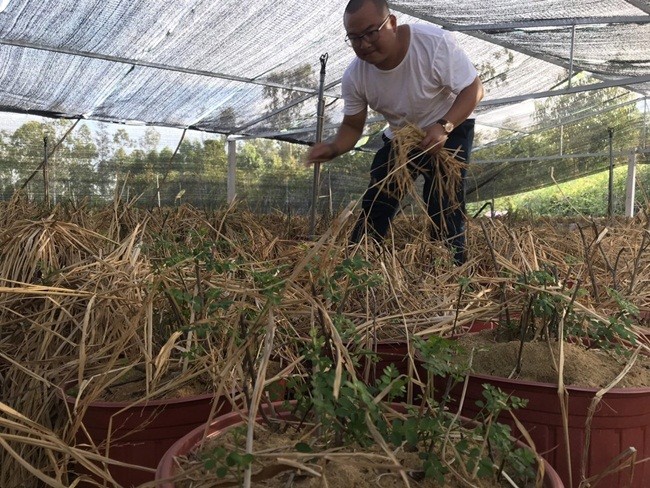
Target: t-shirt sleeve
452,65
353,100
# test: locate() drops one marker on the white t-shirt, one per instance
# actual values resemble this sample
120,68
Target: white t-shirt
420,90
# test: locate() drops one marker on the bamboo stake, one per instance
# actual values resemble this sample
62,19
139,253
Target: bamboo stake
257,393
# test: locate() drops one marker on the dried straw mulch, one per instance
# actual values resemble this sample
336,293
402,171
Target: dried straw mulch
88,294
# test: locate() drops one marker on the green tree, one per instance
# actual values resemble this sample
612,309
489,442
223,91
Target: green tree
150,140
76,160
198,170
122,139
227,120
6,169
301,76
565,124
24,153
249,157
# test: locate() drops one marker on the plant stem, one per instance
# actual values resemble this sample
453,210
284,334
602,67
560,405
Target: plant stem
257,394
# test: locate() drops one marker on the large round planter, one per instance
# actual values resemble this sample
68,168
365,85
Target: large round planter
621,420
140,434
167,466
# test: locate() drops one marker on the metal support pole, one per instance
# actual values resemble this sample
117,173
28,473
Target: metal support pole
158,190
329,192
51,153
320,115
46,187
232,174
610,192
571,53
645,122
630,184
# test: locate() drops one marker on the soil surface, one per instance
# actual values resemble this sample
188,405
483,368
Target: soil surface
339,468
132,386
583,367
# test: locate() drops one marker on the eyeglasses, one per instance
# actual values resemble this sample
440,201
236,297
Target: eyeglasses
370,36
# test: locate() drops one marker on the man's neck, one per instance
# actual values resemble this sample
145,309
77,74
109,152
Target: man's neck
401,48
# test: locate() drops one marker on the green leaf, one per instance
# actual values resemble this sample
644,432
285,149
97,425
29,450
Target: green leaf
485,468
303,447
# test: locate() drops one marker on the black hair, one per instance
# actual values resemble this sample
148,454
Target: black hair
355,5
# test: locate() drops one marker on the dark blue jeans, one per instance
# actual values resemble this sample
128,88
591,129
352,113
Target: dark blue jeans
381,200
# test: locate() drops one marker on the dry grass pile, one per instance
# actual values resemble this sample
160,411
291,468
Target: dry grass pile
446,169
181,293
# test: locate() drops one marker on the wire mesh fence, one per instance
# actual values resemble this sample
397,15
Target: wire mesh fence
97,166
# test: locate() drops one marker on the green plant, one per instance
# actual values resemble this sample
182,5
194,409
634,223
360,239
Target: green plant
617,331
437,355
224,462
350,275
545,301
348,412
339,410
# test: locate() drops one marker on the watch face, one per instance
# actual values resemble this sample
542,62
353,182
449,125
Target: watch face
446,125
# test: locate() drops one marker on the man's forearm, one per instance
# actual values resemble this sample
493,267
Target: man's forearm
465,103
345,140
349,132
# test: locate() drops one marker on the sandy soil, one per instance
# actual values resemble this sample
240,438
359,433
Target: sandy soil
582,367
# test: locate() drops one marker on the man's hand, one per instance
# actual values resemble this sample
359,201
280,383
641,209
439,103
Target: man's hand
321,152
347,136
434,139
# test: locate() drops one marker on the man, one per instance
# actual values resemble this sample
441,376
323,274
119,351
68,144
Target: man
410,74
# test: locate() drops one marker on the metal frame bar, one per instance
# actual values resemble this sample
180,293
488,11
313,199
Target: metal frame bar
567,22
640,4
530,159
483,103
569,121
576,89
268,115
148,64
484,36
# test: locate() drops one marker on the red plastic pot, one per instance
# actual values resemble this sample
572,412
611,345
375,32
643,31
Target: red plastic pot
141,434
621,420
479,325
167,467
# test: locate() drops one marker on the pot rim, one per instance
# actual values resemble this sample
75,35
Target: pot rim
165,469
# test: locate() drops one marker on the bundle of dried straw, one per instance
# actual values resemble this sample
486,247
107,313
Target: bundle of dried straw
445,168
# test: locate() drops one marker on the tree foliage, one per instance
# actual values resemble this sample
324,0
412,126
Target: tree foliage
577,124
96,165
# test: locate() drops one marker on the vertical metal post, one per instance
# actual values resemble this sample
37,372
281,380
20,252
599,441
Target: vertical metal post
320,115
645,122
158,190
610,192
232,166
287,201
571,53
329,192
46,186
630,184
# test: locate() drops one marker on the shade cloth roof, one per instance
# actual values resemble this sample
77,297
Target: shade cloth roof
251,67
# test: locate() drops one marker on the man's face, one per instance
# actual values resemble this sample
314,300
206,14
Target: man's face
369,44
